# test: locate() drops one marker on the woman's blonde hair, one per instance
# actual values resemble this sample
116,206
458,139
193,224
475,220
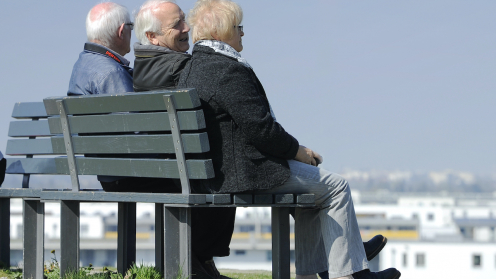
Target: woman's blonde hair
214,17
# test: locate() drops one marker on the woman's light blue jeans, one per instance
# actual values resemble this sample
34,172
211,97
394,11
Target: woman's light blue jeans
326,237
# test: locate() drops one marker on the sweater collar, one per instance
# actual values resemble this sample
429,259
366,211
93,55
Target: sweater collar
225,49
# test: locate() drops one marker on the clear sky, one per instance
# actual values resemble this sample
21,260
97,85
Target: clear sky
389,85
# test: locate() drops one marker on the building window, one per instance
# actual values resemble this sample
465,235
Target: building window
247,228
85,230
477,260
20,231
430,217
266,229
112,228
405,260
240,252
420,259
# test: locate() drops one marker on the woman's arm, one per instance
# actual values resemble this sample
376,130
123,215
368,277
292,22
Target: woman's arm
238,94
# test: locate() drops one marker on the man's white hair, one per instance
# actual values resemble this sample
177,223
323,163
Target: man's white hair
102,25
146,21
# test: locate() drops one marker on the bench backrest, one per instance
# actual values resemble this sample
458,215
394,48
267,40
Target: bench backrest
157,125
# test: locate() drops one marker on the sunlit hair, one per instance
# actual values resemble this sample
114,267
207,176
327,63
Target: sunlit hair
102,26
146,20
214,17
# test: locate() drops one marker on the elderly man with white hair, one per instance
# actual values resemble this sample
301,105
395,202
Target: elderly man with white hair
163,41
101,67
160,57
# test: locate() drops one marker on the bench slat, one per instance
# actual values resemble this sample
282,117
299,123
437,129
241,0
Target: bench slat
305,199
101,196
107,103
199,169
125,144
243,199
31,166
263,199
29,110
30,147
128,122
284,198
20,193
38,128
128,144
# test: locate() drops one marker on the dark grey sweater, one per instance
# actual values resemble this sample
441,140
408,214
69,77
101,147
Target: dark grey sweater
248,148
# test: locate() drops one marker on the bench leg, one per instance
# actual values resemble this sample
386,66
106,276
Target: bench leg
126,236
280,243
33,238
159,237
177,238
5,232
69,236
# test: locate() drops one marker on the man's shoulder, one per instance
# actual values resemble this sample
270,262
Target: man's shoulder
94,73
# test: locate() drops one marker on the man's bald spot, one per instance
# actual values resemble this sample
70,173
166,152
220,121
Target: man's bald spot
169,10
99,10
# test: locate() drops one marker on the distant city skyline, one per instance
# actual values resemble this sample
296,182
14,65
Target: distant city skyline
387,85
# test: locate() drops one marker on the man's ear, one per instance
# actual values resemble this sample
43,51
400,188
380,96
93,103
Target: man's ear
120,32
152,37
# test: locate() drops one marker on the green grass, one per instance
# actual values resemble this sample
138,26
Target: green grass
237,275
249,274
135,272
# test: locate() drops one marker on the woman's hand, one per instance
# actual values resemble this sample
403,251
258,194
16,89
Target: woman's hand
308,156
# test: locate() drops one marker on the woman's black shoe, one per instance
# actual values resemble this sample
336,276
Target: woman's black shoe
390,273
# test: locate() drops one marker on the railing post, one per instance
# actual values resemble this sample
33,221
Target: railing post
126,236
159,238
280,243
33,238
5,232
69,236
177,238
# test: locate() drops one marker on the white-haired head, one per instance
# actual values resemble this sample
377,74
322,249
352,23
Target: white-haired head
210,18
147,21
103,22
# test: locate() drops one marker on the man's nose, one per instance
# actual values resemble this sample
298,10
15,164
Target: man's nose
186,28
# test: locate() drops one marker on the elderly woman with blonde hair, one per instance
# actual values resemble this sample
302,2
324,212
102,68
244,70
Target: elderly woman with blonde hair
252,152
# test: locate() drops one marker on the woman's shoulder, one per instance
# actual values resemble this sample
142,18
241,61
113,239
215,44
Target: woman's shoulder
208,54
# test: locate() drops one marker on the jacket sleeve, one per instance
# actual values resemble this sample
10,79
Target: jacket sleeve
237,93
115,81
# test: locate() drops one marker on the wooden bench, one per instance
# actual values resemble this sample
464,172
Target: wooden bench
171,123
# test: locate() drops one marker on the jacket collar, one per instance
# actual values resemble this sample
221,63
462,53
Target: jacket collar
144,51
107,52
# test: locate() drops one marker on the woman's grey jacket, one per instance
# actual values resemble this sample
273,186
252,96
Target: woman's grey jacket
249,149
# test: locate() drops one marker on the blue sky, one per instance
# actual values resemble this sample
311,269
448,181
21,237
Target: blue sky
390,85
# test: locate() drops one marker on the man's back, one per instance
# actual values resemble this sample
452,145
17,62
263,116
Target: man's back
100,70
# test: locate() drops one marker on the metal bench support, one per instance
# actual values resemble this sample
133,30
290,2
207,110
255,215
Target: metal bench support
280,243
177,238
69,236
159,238
126,236
5,232
33,238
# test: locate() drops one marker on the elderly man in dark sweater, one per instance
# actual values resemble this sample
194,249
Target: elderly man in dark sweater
160,57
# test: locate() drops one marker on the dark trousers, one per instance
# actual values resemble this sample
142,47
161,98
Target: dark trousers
211,227
3,165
